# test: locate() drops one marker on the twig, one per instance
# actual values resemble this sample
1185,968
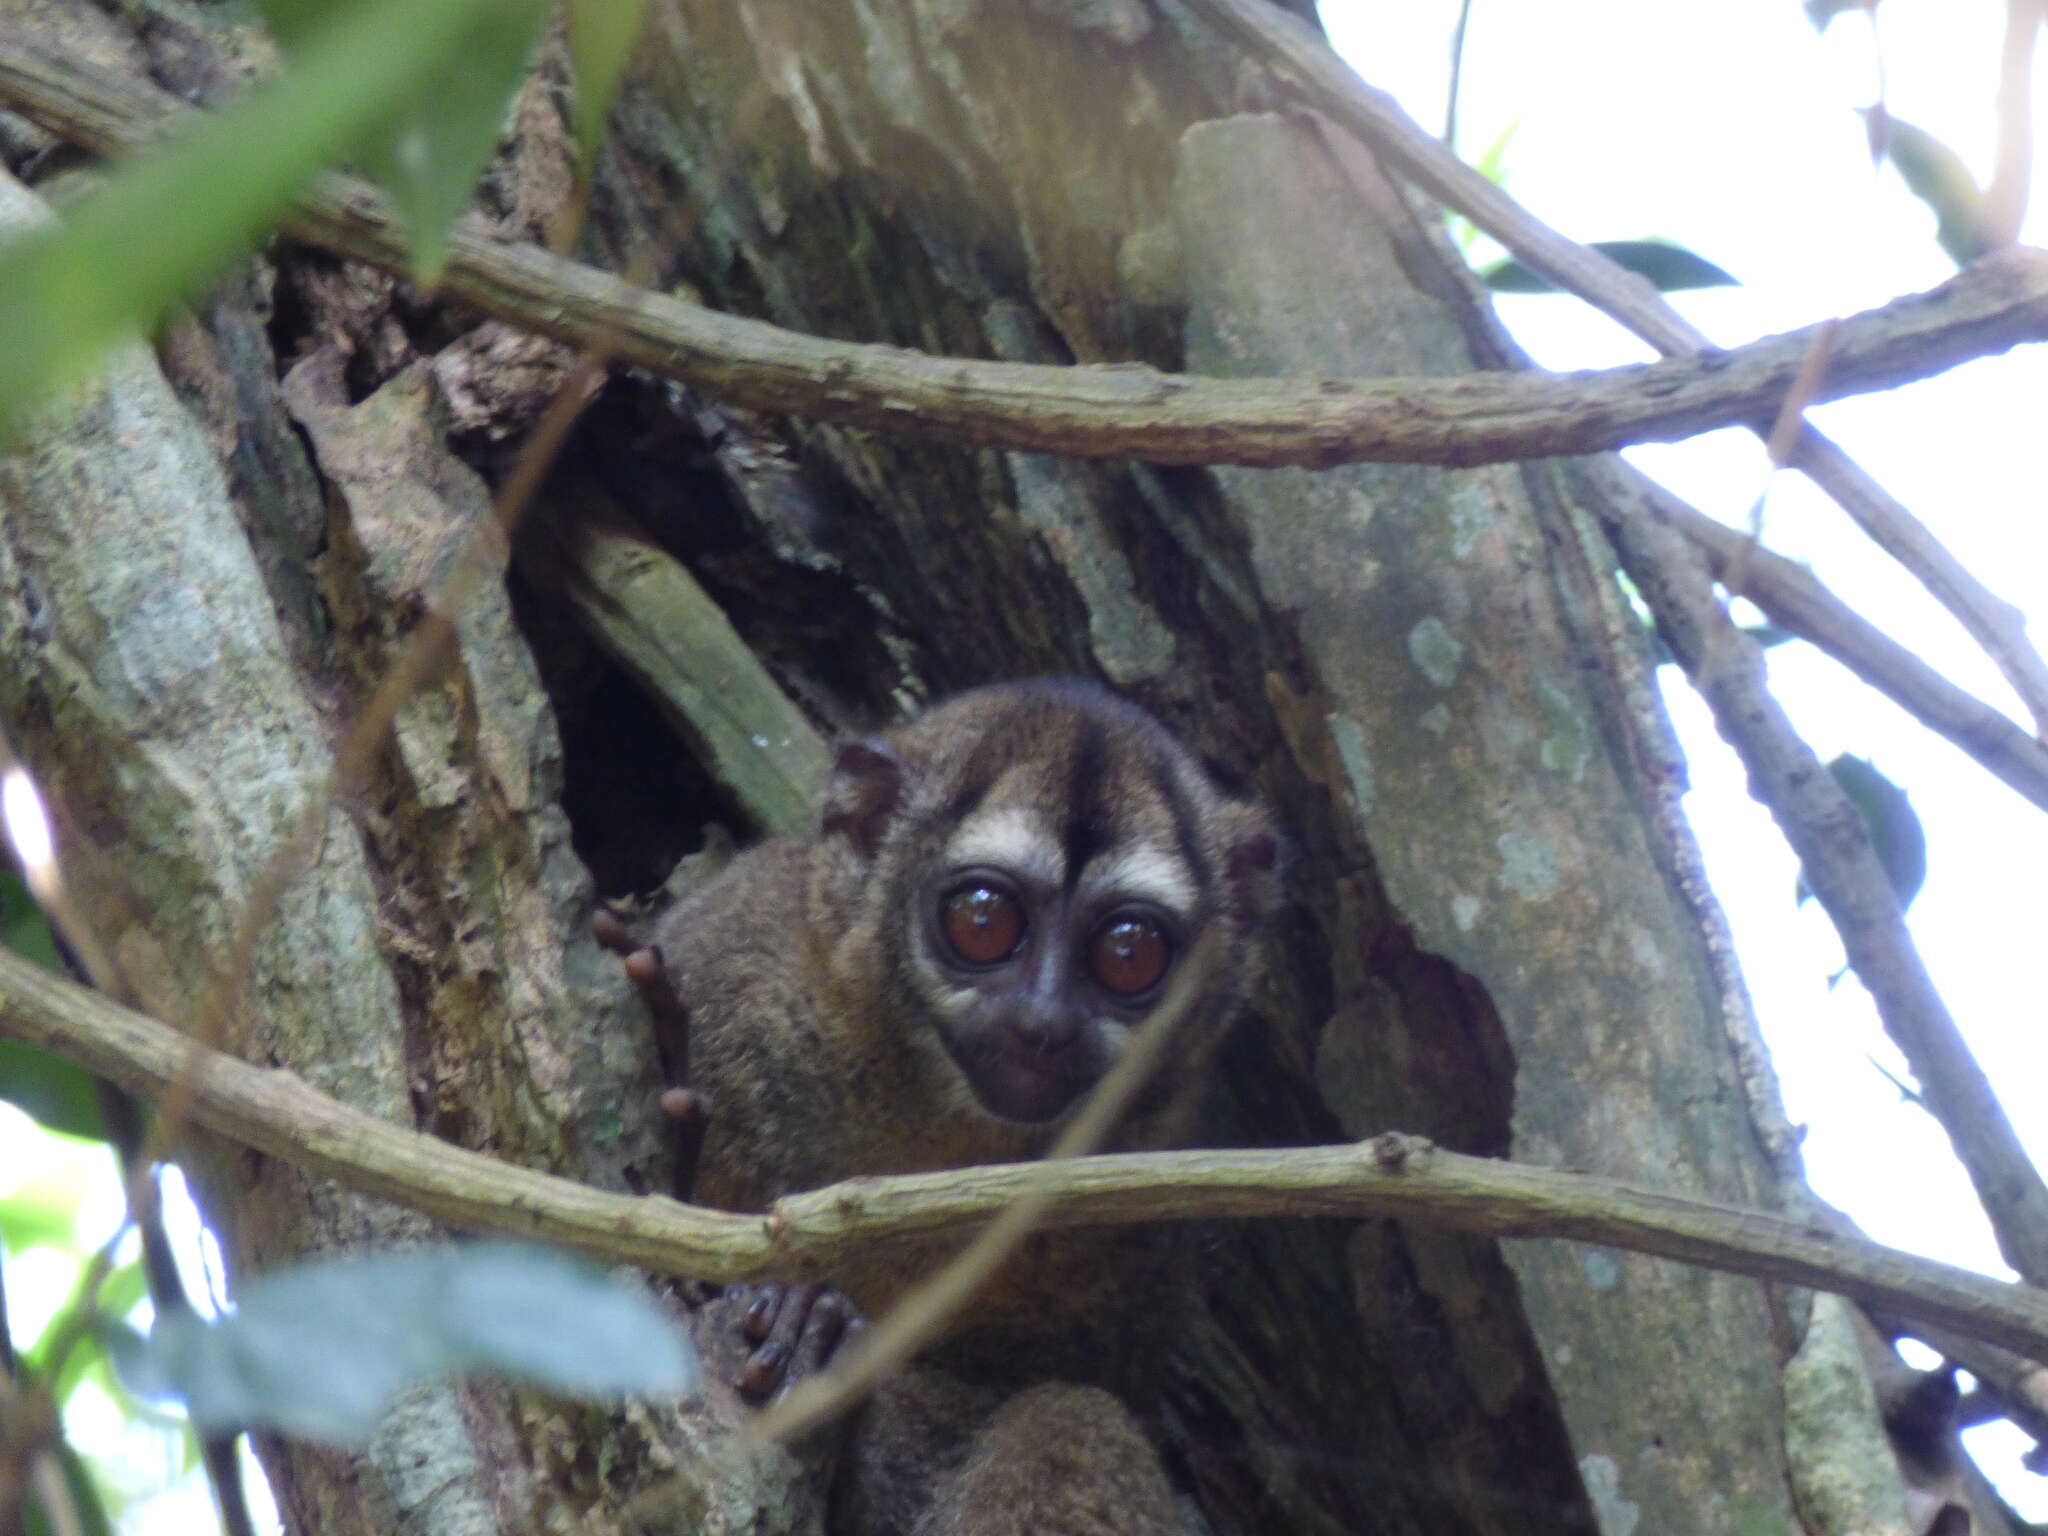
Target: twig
804,1236
1457,76
1098,411
1326,83
1792,597
1829,836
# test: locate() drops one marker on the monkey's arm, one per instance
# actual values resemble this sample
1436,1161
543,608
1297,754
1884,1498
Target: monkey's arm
782,1332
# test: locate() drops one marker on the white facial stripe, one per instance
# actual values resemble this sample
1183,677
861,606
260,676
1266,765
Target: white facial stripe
1010,838
1147,872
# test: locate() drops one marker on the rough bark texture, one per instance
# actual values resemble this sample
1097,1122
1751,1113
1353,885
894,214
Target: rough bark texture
1498,936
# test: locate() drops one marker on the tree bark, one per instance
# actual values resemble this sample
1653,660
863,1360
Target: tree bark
1498,937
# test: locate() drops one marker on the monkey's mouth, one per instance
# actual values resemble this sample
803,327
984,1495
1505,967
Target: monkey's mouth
1017,1083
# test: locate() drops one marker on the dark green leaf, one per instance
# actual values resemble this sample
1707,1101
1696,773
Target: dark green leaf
320,1349
60,1096
68,292
1896,835
601,35
292,22
1936,175
22,928
1668,267
430,154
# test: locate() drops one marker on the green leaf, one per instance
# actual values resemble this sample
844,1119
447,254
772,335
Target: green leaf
165,223
1896,835
292,22
22,928
320,1349
44,1207
1669,267
432,151
26,1224
1936,175
62,1097
601,37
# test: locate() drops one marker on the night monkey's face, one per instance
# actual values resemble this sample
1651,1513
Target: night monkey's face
1056,854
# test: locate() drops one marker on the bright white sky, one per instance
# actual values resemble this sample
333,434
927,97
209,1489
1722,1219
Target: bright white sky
1731,130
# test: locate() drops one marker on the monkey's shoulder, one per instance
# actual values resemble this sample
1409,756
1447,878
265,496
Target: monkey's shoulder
734,947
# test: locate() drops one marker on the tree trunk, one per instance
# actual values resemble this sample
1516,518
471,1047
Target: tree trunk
1498,933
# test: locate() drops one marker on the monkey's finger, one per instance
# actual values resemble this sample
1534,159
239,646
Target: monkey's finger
758,1320
823,1330
684,1105
645,970
792,1314
691,1113
613,934
799,1301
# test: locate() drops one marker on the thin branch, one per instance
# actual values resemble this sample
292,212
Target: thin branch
1327,84
1727,667
650,615
805,1235
1113,410
1792,597
1457,76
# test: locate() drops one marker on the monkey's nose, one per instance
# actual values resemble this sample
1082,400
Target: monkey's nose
1045,1025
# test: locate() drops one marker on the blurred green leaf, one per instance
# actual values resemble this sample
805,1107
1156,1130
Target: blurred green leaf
69,291
125,1288
22,928
432,151
1896,835
292,22
60,1096
1669,267
1936,175
26,1224
320,1349
601,37
1492,161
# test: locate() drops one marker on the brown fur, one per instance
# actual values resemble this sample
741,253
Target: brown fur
821,1059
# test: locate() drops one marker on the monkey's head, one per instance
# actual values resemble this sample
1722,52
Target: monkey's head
1035,862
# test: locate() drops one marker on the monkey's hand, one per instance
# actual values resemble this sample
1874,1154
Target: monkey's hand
763,1338
688,1108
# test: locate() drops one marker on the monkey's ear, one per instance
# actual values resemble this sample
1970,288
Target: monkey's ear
866,787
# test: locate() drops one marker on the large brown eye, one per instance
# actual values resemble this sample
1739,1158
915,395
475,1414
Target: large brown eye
1130,954
982,924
